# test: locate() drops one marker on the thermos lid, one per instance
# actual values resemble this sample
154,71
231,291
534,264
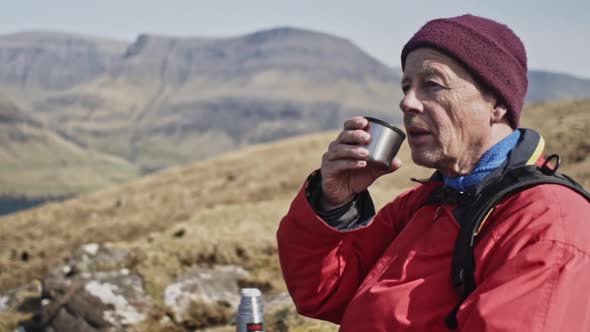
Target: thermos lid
250,292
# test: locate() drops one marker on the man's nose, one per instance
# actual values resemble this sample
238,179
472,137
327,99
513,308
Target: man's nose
410,103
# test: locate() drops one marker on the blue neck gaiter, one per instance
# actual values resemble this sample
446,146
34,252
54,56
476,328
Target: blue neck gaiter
490,160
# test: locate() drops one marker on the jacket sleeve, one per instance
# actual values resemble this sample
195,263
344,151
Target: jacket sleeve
322,266
536,277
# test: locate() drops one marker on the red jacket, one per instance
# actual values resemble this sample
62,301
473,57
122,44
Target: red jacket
533,264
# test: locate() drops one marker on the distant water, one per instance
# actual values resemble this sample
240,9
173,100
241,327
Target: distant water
12,204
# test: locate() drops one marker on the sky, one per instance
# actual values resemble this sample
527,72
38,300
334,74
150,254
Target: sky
556,33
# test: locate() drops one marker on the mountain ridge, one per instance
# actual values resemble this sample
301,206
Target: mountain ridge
160,101
161,82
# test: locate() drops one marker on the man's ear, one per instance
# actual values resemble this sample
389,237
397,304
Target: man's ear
499,113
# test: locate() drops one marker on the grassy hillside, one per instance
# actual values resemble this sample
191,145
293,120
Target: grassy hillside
228,208
262,173
565,125
37,162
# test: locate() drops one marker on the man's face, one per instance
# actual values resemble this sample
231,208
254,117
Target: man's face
447,117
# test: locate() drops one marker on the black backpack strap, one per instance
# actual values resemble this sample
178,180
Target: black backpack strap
484,202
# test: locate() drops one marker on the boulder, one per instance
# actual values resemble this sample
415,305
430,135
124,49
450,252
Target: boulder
217,286
91,291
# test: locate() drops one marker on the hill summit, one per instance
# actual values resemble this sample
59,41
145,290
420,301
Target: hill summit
161,101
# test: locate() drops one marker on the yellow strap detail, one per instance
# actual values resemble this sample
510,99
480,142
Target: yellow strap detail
484,221
537,153
538,150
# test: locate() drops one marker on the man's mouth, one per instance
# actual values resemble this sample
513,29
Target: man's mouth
417,132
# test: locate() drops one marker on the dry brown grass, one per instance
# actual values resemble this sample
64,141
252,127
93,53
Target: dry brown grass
152,204
566,127
156,203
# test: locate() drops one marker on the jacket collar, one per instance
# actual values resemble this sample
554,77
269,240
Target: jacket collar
528,151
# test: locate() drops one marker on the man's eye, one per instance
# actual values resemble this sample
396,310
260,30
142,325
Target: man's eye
432,84
405,88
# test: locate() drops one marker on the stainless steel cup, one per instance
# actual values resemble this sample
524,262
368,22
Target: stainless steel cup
385,142
250,317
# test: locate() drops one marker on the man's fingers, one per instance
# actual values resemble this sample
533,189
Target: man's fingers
358,122
346,151
396,164
357,136
353,132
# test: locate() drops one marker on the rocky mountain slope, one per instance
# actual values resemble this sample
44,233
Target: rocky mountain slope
163,100
51,61
167,100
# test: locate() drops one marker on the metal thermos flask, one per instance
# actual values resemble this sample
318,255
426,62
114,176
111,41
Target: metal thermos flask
250,312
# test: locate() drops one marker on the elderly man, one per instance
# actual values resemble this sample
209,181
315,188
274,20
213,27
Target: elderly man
464,84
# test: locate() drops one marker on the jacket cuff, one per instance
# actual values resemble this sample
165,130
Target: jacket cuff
354,214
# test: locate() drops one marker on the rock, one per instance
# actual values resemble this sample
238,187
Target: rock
91,248
3,303
74,310
218,285
91,291
179,233
124,313
18,296
86,262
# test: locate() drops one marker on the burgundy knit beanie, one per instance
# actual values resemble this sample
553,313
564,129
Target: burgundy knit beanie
490,51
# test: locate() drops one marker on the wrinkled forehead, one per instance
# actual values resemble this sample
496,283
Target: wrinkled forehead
427,61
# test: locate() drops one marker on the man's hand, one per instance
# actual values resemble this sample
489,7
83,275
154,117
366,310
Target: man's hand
344,166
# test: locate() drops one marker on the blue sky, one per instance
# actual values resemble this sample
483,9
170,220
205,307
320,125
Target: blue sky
555,33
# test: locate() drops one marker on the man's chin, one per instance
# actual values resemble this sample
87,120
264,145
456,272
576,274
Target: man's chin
424,159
